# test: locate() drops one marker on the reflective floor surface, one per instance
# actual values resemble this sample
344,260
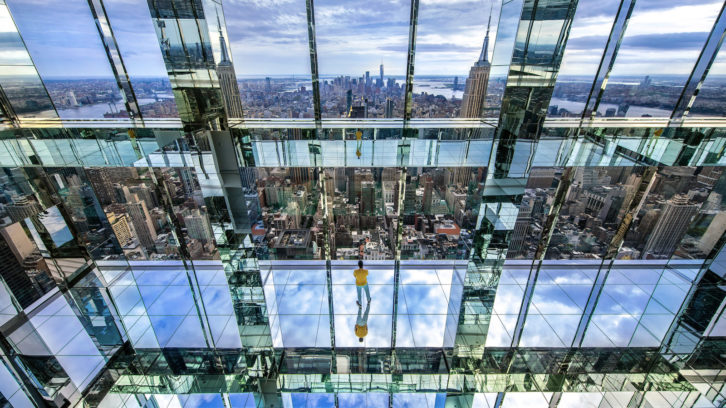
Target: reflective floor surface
426,305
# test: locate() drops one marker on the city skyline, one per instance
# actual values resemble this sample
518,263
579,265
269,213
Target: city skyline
452,35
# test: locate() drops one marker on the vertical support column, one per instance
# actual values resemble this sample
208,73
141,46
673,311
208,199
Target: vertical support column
499,400
11,362
198,95
394,313
6,109
195,82
701,69
699,312
399,211
114,57
532,77
331,315
268,395
312,45
608,58
459,400
526,302
410,61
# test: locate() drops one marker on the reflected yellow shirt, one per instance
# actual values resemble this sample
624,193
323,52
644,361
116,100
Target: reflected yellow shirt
361,277
361,331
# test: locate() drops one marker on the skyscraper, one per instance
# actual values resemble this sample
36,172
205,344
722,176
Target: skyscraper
119,224
141,220
348,101
672,224
367,198
101,182
389,108
228,80
476,84
381,73
22,208
198,226
427,194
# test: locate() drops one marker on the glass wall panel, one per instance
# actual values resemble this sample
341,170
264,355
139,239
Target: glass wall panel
270,44
139,47
65,338
710,100
709,225
450,56
298,298
218,306
39,362
130,306
10,389
423,300
89,300
170,304
92,229
440,212
188,210
631,310
656,56
370,80
557,304
8,305
363,212
585,46
673,201
134,203
595,204
509,16
25,271
78,77
18,77
534,209
285,209
507,304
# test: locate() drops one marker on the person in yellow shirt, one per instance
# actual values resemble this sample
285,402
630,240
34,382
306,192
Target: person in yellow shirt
361,282
361,324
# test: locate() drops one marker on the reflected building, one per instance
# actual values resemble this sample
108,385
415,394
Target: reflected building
475,90
22,208
675,219
228,80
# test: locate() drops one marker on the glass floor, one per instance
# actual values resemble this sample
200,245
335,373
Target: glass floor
300,308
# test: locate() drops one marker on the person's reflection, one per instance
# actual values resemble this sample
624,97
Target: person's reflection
359,138
361,324
361,282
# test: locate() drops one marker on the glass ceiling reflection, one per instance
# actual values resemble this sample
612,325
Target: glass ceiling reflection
404,400
636,302
635,306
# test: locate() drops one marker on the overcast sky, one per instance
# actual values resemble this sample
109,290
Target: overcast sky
269,37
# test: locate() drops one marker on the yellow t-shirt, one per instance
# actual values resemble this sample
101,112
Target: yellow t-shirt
361,331
361,277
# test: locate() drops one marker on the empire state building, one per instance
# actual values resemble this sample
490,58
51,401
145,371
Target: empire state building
228,81
476,84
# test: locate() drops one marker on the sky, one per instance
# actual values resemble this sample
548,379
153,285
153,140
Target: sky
269,37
